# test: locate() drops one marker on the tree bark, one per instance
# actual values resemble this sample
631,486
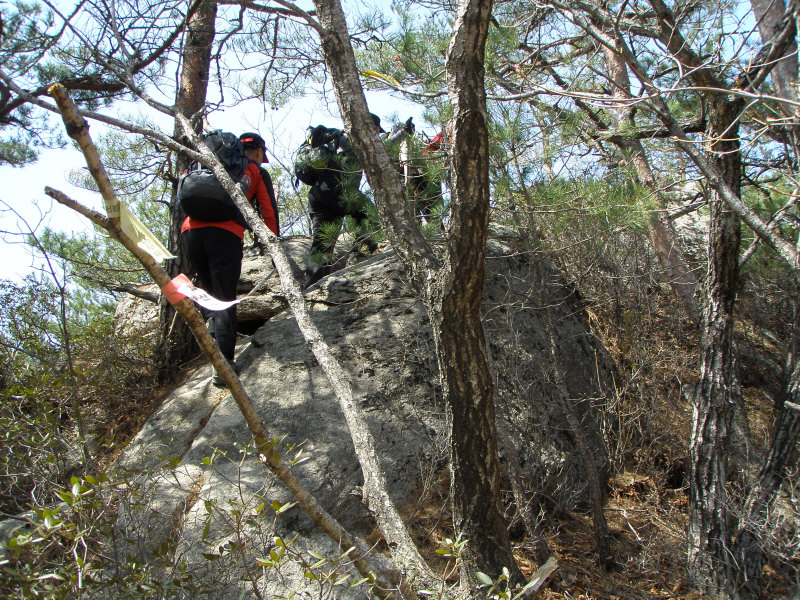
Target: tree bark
177,345
455,310
717,394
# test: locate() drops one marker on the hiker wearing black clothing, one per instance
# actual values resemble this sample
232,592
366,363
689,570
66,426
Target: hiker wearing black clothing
214,243
327,163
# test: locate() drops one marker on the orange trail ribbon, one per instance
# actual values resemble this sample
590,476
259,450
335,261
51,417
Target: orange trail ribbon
170,290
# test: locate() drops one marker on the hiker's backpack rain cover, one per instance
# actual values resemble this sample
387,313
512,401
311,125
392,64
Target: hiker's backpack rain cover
200,193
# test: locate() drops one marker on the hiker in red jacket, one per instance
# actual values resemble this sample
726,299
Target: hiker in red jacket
256,151
215,250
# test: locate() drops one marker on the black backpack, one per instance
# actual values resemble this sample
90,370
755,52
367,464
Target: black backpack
200,193
317,154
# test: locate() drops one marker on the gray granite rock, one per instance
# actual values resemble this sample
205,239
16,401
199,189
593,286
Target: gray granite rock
194,470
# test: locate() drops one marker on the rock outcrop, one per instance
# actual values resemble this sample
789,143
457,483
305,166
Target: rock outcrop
199,484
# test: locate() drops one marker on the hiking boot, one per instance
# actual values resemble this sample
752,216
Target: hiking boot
372,247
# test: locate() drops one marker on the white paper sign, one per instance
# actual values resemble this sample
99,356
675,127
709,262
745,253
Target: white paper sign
203,298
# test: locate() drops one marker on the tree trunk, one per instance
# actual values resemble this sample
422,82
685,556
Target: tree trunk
717,394
177,345
594,482
455,310
452,293
662,234
769,15
748,546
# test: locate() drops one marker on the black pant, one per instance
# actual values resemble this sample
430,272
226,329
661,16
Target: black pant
328,209
216,256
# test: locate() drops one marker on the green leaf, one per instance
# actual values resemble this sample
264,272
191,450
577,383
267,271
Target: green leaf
264,562
65,497
484,578
285,507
